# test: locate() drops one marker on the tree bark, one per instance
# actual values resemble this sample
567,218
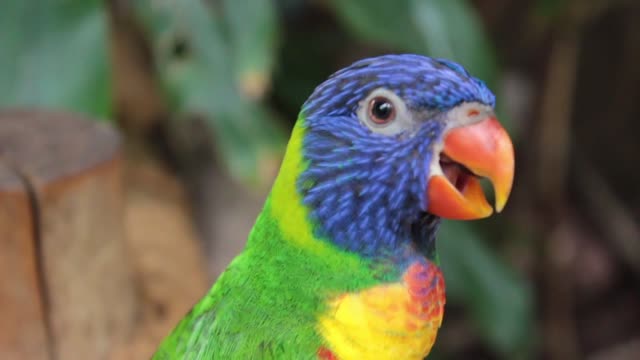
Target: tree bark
23,333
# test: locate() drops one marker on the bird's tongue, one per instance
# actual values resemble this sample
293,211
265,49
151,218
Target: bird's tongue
457,175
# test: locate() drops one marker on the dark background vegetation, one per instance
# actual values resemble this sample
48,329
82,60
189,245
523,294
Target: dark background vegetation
210,89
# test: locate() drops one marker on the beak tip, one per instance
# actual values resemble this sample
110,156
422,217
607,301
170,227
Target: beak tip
503,190
447,202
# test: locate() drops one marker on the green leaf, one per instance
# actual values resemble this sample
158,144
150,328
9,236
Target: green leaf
381,22
438,28
55,55
497,298
252,28
452,29
198,68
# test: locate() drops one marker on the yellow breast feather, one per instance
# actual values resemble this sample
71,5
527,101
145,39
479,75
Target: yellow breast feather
391,321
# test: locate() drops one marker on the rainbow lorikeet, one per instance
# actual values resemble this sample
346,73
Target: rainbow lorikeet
341,262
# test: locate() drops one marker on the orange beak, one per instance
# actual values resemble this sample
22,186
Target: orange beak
481,149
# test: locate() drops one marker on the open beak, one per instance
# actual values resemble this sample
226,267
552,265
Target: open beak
480,149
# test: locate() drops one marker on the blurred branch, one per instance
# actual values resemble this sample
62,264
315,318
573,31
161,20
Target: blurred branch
622,105
607,210
609,214
558,248
553,156
558,95
554,140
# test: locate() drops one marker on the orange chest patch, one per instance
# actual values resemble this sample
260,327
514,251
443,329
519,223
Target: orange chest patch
390,321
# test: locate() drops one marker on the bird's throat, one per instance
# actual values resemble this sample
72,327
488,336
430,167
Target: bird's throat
423,235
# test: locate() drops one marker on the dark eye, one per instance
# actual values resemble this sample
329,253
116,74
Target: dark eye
381,110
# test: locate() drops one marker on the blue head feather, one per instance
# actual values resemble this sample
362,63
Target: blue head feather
366,191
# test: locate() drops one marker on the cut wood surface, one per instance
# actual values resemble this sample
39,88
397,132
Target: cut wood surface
86,267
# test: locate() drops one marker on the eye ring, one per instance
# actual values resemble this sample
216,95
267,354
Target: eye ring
381,110
385,113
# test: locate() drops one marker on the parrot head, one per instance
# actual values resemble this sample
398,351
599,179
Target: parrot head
391,140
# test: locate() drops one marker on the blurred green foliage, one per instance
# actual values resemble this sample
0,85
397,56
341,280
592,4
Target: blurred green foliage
498,300
218,59
53,53
440,28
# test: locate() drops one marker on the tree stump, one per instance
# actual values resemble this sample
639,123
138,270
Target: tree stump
22,326
66,287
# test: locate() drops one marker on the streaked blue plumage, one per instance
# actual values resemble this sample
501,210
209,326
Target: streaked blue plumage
365,189
424,83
